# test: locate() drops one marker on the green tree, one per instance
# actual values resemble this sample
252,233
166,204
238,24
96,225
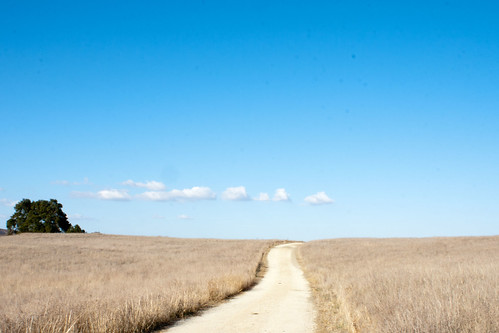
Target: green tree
40,216
76,229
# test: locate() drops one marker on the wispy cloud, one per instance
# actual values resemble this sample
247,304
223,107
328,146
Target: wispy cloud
7,202
184,217
262,197
62,182
112,194
78,217
281,195
319,198
150,185
188,194
79,194
236,194
69,183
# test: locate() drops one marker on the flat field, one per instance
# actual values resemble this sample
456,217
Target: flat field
405,285
106,283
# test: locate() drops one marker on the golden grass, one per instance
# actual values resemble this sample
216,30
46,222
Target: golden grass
105,283
405,285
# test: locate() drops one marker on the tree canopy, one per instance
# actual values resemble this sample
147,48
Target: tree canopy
40,216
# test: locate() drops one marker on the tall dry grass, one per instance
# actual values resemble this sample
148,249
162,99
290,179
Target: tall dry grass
105,283
405,285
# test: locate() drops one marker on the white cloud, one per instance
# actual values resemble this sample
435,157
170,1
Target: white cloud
184,217
319,198
155,196
150,185
262,197
113,194
191,194
235,193
7,203
281,195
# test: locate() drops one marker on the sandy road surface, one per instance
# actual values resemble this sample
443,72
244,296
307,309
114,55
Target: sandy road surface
279,303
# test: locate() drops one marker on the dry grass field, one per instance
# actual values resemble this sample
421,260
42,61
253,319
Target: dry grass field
405,285
105,283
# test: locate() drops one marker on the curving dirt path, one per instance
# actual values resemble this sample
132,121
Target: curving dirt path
279,303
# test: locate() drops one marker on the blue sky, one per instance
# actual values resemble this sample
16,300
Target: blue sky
352,118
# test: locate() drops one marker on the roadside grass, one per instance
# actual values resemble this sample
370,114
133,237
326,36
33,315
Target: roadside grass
405,285
107,283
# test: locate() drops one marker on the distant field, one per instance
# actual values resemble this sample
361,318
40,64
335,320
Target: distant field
104,283
405,285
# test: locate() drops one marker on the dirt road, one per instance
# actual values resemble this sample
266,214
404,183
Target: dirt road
279,303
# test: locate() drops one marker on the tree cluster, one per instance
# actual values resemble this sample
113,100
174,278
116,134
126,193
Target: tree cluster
40,216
